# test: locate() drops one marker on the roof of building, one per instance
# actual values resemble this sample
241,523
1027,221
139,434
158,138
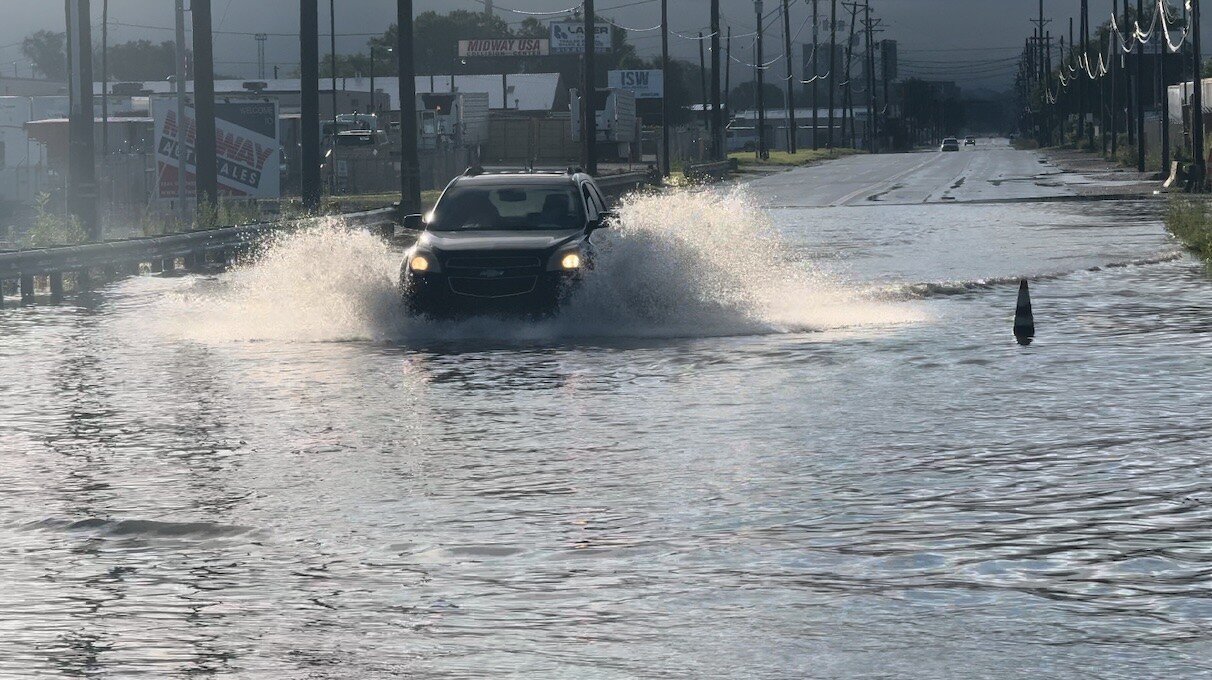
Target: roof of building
522,91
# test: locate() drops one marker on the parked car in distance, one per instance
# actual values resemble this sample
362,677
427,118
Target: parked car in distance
503,243
949,144
969,141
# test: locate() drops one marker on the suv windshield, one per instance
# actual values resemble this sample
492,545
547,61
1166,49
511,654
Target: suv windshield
513,207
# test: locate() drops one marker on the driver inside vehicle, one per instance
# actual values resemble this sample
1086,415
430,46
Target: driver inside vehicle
476,211
557,211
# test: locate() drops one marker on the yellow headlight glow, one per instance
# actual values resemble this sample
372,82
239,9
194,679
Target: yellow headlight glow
571,261
419,263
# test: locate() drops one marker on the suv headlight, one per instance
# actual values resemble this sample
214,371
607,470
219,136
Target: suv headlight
566,260
423,262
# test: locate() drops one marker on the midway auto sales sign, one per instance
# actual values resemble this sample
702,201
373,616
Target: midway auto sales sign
247,153
646,84
568,37
504,47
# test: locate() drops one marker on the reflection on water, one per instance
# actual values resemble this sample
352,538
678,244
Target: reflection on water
270,474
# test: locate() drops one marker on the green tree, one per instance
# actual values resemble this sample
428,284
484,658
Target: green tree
139,60
48,52
742,96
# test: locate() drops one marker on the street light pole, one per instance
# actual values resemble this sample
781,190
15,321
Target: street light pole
181,125
1197,101
717,119
791,141
665,165
761,84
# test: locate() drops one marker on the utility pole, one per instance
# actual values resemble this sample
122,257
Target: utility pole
410,165
590,95
332,46
665,165
1102,96
1041,73
703,85
1197,101
1141,92
82,167
309,70
727,82
261,38
1081,79
761,84
717,115
870,79
205,151
815,43
1164,100
1129,83
832,65
182,127
104,79
791,141
848,95
1115,68
332,49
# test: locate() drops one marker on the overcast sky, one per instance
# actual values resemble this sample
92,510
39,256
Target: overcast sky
970,41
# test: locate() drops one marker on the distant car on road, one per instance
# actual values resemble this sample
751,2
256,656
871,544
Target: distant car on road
949,144
969,141
511,243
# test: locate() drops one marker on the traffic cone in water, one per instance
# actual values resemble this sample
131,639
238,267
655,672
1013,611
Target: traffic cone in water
1024,322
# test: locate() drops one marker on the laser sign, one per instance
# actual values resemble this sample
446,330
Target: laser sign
247,151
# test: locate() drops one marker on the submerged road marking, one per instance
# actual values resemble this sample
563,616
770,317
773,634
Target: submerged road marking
887,181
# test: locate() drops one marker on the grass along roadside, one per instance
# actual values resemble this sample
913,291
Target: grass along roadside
784,159
1190,220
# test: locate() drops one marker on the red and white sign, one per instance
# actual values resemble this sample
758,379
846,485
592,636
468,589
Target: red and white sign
247,153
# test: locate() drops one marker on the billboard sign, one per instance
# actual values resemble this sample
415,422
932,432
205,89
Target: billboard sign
246,145
568,37
504,47
646,84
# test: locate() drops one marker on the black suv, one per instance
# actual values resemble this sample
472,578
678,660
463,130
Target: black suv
502,243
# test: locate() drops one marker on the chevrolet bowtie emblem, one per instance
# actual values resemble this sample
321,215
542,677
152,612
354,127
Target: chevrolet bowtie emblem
491,273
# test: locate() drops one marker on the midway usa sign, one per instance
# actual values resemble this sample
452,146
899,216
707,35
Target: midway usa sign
646,84
504,47
246,145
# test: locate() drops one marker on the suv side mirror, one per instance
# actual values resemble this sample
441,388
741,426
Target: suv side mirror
605,219
414,222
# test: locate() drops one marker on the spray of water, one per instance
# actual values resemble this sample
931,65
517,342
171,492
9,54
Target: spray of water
684,263
325,283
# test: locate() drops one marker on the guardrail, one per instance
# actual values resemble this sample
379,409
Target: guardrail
161,252
717,170
623,182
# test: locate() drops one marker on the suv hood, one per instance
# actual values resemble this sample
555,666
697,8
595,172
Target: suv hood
448,241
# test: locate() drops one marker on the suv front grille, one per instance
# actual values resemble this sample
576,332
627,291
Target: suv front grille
506,262
492,288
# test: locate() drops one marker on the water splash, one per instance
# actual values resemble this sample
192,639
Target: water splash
329,282
688,263
711,263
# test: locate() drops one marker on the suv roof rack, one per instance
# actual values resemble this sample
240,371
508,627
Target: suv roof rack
475,170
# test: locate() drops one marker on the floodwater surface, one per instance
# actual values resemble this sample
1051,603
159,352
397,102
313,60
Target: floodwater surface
766,441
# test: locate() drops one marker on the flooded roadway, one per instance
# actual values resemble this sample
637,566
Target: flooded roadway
785,432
